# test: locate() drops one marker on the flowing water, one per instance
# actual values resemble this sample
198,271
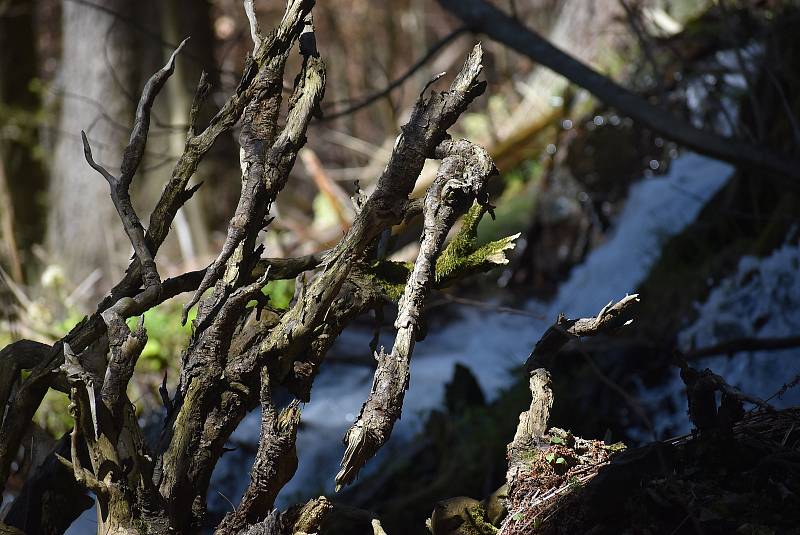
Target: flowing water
489,343
761,299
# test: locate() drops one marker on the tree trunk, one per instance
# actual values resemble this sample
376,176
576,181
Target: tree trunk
95,86
180,19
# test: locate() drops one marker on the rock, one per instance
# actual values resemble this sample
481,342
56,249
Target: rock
495,505
451,514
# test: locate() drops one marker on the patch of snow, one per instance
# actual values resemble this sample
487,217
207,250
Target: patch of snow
760,300
657,209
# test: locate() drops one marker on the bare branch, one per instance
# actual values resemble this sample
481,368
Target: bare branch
485,18
119,455
611,317
462,178
274,465
15,357
311,516
371,99
130,221
174,194
738,345
426,128
200,96
21,408
80,380
264,174
267,159
132,156
87,153
533,422
255,32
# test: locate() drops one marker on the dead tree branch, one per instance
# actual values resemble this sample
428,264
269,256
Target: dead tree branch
480,16
21,355
194,446
274,465
131,158
533,422
426,128
264,174
374,97
238,353
739,345
462,177
121,464
611,317
175,194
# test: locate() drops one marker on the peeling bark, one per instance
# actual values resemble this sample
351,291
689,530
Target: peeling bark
462,177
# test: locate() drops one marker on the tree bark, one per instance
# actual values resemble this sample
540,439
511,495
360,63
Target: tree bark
95,84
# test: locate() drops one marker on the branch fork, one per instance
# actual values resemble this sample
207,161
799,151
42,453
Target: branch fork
462,178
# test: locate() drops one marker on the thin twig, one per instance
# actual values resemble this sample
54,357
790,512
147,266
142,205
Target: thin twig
370,99
739,345
448,298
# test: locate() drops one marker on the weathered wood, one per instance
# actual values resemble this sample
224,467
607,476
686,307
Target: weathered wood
234,357
274,465
203,422
462,178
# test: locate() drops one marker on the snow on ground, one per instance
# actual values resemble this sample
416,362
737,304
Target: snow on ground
656,209
490,343
760,300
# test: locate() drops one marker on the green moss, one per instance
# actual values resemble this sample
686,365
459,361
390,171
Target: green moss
478,523
461,257
391,277
616,447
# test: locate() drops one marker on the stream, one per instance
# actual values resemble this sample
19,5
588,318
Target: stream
761,299
490,343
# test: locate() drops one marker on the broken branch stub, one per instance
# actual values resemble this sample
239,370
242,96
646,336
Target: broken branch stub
610,318
533,422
